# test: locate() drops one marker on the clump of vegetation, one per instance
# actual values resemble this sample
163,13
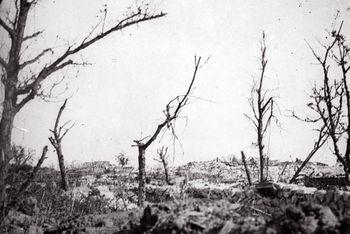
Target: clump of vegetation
122,159
20,165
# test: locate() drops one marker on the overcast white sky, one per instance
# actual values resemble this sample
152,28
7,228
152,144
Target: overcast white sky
134,73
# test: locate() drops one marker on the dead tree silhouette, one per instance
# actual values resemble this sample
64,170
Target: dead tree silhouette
330,101
58,132
171,112
262,106
20,87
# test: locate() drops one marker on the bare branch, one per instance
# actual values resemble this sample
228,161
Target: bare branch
32,35
262,107
268,121
66,130
35,59
251,120
170,117
26,99
327,101
60,62
306,119
56,140
9,30
321,140
58,118
128,21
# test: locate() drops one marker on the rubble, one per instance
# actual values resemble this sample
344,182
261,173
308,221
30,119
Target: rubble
197,201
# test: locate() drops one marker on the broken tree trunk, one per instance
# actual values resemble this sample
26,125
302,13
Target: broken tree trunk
171,112
58,133
142,175
64,180
21,80
6,125
246,168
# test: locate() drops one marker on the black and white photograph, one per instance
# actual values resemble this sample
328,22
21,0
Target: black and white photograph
175,116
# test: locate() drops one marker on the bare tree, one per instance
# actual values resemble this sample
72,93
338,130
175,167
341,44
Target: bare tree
330,101
56,140
163,159
171,112
21,87
262,106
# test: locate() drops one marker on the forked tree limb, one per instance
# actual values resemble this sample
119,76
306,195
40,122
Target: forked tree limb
262,107
8,29
60,62
35,59
328,99
19,88
169,117
17,37
56,141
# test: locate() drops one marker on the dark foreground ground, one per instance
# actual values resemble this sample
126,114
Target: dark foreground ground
206,197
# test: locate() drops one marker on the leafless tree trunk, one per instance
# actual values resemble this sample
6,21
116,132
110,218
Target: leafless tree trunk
171,113
322,139
6,125
327,101
163,159
263,109
21,87
56,140
142,176
246,169
343,60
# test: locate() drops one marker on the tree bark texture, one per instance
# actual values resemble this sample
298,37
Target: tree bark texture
166,172
142,176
